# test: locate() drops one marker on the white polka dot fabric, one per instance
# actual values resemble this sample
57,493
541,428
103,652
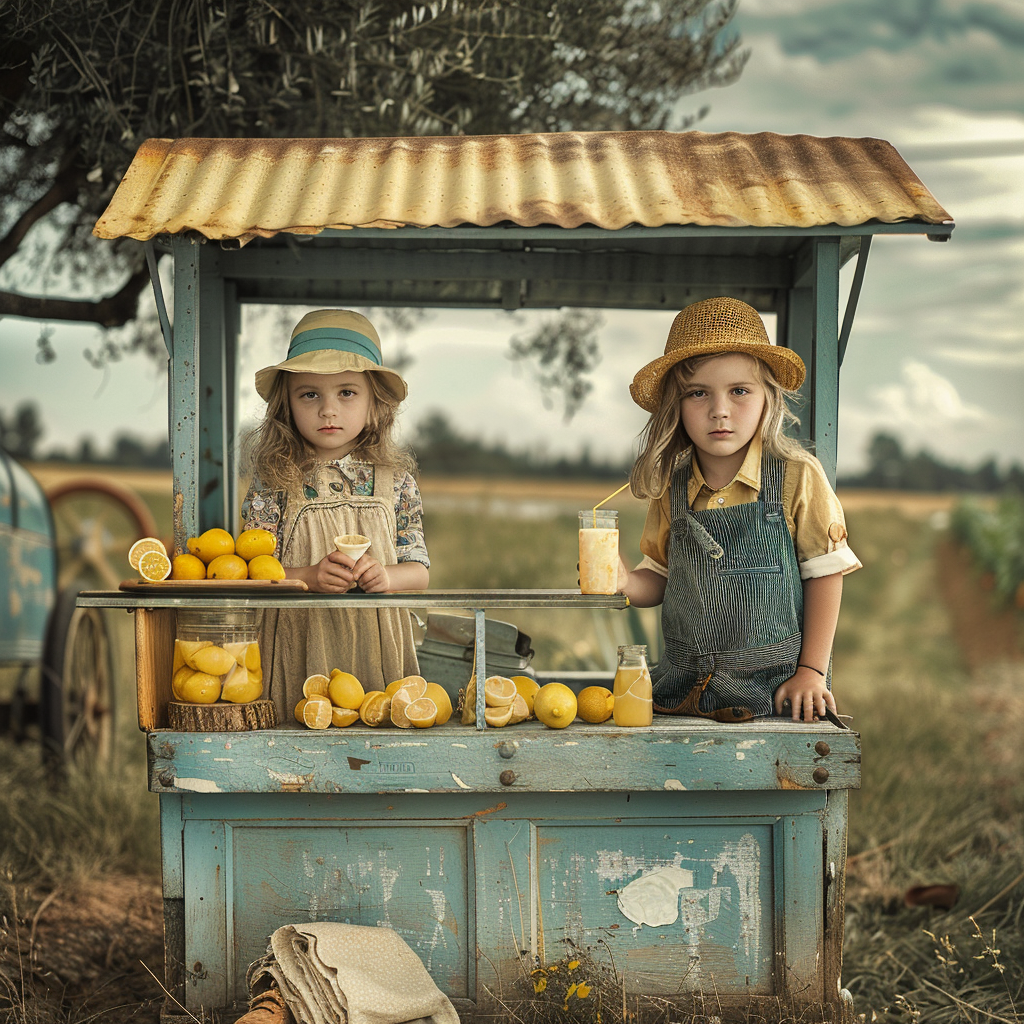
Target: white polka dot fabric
333,973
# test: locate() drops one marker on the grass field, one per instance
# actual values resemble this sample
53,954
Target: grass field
931,671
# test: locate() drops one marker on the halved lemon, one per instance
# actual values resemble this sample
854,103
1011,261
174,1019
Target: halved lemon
316,686
498,717
404,697
375,709
317,713
499,691
527,688
154,566
520,710
439,695
392,688
140,547
342,717
422,713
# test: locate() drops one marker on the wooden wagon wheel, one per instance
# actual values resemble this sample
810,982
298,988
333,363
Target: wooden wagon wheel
96,522
77,691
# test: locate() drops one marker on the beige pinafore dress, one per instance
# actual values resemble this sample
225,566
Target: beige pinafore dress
375,644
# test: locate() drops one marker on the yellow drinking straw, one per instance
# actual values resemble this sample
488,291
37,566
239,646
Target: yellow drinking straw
609,498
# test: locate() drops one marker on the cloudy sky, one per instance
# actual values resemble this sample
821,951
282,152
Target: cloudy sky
937,352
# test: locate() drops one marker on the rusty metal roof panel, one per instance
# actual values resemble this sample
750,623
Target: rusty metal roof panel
245,188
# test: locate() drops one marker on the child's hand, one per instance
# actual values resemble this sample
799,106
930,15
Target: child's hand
371,576
808,694
333,574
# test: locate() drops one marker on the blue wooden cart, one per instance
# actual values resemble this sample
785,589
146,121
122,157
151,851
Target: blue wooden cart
493,853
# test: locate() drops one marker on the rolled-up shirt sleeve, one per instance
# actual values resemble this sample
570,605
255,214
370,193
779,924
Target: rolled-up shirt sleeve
654,540
817,522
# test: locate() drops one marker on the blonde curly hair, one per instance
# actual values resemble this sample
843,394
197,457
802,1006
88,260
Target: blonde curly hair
281,459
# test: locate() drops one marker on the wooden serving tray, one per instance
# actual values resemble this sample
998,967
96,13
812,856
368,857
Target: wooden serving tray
194,588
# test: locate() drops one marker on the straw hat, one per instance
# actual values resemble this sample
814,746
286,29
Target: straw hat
332,341
708,328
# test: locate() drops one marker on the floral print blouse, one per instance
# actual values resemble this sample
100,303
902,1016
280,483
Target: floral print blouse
265,509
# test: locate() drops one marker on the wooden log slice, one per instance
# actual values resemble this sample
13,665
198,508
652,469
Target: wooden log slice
221,717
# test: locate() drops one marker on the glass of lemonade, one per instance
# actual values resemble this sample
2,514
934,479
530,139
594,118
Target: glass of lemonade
634,704
599,551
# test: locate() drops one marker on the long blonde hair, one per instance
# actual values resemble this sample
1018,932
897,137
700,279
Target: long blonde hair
664,441
282,460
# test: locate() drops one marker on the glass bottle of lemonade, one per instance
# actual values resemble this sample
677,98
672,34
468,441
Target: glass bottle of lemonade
632,688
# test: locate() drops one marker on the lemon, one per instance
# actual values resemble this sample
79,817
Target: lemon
298,710
179,677
439,695
211,544
499,691
555,705
375,709
520,710
498,717
527,688
240,687
214,661
392,688
422,712
345,690
342,717
187,567
317,713
140,547
595,704
252,659
154,566
266,567
200,688
227,567
316,686
252,543
415,688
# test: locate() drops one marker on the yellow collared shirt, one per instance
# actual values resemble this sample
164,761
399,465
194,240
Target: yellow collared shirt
813,514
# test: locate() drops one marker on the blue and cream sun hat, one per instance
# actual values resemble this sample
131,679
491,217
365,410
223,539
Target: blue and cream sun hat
332,341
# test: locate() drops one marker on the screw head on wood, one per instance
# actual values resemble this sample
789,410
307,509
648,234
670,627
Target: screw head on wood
507,777
822,748
507,749
820,775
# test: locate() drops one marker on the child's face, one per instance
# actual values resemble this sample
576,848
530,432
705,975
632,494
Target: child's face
722,407
330,410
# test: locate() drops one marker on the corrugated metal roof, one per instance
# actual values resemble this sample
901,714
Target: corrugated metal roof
244,188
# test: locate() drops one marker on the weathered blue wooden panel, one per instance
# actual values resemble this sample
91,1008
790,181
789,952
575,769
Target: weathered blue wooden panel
680,906
677,756
730,885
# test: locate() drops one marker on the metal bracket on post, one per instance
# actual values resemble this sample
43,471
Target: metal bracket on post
158,294
480,617
854,296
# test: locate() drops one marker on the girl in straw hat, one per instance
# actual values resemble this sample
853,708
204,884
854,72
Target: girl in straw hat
325,463
745,541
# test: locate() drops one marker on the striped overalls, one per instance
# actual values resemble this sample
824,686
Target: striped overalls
733,609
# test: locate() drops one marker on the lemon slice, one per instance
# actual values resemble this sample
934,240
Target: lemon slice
499,691
140,547
422,712
342,717
317,713
316,686
154,566
498,717
520,710
375,709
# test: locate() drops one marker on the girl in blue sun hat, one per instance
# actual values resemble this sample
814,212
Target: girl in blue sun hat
326,464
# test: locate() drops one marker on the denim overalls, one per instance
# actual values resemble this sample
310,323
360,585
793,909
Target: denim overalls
732,614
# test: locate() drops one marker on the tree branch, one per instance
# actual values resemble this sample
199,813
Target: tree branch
113,311
63,189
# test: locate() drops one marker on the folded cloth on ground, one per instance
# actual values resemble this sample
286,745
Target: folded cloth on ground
331,973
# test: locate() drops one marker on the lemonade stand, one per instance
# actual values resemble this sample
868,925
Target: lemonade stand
703,862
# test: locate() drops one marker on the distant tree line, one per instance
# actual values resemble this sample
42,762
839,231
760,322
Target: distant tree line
892,468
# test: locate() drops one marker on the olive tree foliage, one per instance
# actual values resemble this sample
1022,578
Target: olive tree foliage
84,82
